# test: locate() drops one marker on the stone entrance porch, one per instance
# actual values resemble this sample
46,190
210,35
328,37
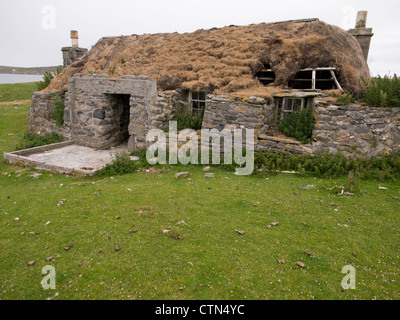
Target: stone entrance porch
103,112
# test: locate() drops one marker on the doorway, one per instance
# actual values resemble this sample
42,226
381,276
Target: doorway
121,116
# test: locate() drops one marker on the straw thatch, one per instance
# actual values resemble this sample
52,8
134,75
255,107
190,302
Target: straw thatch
225,60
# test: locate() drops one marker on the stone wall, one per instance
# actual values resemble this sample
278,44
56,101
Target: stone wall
277,144
356,130
164,109
253,113
101,112
353,130
40,116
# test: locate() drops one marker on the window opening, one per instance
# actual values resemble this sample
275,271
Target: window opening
197,101
288,105
318,78
266,75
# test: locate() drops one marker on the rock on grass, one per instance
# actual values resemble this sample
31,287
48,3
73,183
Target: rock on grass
181,175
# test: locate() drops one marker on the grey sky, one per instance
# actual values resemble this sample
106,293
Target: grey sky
29,35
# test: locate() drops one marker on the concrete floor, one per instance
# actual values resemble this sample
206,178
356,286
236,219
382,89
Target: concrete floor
75,157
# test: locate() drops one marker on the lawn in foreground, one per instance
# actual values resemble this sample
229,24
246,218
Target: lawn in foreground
209,260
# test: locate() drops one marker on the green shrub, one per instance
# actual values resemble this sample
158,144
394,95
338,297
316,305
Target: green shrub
327,165
142,162
31,140
58,114
323,165
382,92
186,119
47,77
298,125
353,181
347,99
122,164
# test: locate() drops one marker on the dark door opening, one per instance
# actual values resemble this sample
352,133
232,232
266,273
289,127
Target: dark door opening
121,116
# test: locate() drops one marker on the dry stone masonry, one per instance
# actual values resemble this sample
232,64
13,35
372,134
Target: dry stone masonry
356,130
103,112
224,113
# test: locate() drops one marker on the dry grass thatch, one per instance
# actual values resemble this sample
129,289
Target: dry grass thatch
225,60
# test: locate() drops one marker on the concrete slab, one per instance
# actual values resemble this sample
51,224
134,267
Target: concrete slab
66,157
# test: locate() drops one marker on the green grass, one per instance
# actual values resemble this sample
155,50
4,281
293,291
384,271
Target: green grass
31,141
210,260
20,91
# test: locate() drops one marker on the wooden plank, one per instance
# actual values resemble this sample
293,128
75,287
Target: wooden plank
336,81
266,79
307,69
309,80
314,77
319,69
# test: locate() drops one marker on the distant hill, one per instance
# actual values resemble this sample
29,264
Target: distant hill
20,70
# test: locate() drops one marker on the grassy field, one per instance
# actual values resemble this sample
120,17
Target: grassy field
20,91
202,256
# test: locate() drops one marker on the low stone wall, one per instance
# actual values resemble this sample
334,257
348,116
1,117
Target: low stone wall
275,144
40,116
356,130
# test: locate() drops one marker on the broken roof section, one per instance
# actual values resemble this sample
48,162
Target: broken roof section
227,60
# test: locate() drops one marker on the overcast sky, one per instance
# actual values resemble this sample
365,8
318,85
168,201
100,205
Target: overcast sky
32,32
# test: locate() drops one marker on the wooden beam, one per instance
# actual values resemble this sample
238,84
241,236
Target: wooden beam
307,69
336,81
314,77
319,69
265,79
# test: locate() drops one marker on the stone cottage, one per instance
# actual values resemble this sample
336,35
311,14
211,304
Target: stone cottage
237,76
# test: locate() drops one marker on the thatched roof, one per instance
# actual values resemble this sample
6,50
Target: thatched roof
225,60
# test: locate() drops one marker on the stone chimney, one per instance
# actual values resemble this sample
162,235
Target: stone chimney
362,33
73,53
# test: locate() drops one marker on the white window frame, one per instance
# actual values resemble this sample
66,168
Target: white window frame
288,104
